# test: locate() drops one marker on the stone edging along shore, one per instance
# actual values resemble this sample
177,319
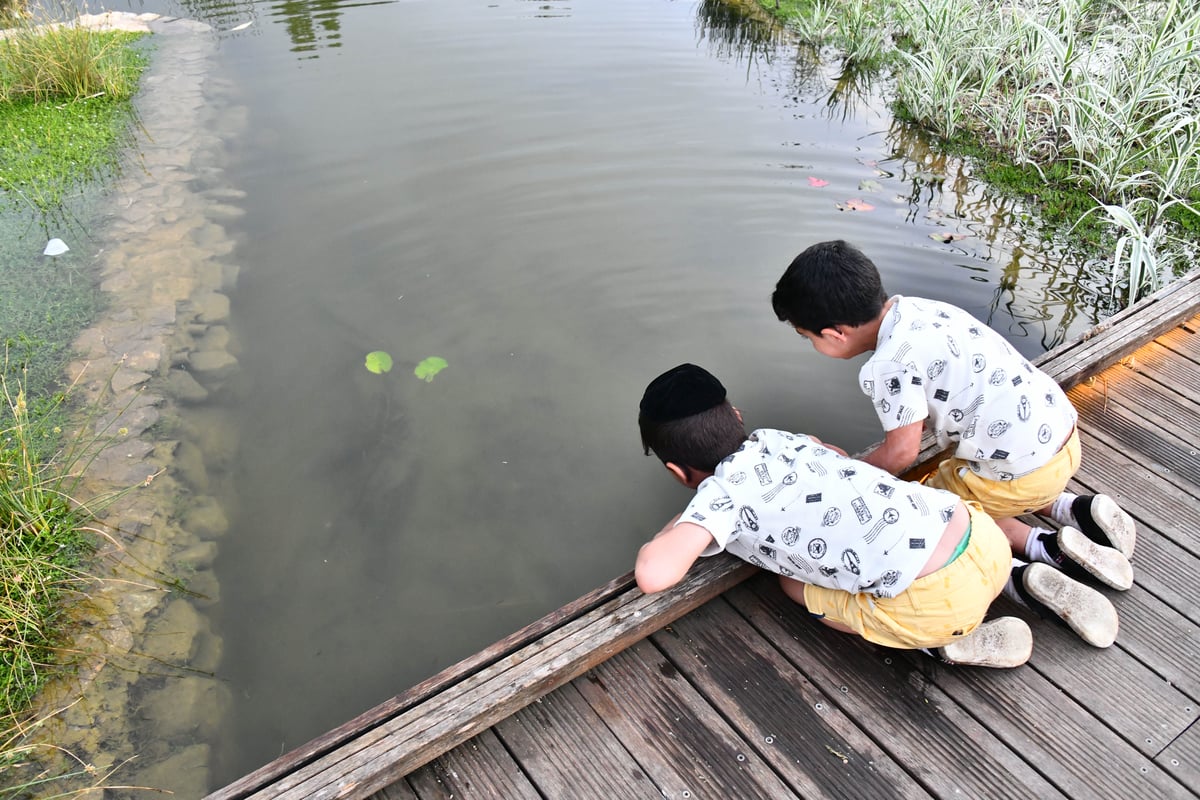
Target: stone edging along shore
147,690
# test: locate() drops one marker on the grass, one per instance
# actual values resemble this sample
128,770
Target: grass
1086,107
64,108
65,116
48,541
43,545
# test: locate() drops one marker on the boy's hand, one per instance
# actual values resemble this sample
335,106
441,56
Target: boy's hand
899,450
664,560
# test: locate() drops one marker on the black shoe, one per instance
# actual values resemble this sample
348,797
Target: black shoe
1102,520
1057,597
1085,560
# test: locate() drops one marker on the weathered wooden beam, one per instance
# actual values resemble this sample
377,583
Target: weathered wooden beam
402,734
391,740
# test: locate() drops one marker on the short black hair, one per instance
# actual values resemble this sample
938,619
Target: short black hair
700,441
830,283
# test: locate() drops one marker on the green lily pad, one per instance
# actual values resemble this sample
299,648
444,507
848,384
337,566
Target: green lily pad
379,362
429,367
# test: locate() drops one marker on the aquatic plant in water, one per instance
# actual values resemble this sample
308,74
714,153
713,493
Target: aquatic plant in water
379,362
429,367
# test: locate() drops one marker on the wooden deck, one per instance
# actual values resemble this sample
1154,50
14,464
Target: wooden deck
721,689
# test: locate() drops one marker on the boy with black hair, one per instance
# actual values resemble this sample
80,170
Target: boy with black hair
1013,427
901,564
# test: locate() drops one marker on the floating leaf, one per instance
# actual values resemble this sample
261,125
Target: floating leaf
379,362
855,205
946,238
817,182
429,367
928,176
55,247
869,185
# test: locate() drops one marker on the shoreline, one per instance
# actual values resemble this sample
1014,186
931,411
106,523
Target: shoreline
146,691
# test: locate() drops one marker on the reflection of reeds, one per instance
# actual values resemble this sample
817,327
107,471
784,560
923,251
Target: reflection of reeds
1105,88
737,30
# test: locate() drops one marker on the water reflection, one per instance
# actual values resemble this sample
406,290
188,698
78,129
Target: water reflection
854,88
1042,294
311,25
1039,291
737,30
551,10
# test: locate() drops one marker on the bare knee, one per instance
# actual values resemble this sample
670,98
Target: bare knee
793,589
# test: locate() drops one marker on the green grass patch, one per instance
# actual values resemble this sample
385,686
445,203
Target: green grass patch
66,117
70,126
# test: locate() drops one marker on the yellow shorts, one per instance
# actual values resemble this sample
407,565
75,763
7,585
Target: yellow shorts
1022,495
936,609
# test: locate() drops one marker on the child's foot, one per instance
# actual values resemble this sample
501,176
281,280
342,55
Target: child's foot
1084,559
1100,519
1055,596
1001,643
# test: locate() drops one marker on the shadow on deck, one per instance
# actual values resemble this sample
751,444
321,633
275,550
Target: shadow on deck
719,688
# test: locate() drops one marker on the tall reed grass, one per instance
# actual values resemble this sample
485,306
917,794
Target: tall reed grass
1110,90
65,61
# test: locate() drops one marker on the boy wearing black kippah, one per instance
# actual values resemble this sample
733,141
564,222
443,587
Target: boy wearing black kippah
898,563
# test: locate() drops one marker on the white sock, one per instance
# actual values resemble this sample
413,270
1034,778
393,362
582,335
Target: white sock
1010,589
1060,512
1035,550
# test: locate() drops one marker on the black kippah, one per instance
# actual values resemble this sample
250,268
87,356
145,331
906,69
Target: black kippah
681,392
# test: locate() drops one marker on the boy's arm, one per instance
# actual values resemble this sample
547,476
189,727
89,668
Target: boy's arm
899,449
829,446
664,560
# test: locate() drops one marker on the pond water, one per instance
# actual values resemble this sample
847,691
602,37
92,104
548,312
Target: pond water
561,199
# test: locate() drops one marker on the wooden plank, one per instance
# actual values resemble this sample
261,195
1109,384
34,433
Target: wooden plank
1158,443
1149,492
1123,332
397,791
330,741
1177,374
359,745
940,742
567,750
1184,339
1149,392
478,769
1083,759
1123,693
816,746
1165,641
398,746
686,747
1182,759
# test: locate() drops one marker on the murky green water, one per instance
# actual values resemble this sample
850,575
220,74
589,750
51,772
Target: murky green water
561,199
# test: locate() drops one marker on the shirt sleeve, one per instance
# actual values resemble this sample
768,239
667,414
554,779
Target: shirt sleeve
896,392
712,509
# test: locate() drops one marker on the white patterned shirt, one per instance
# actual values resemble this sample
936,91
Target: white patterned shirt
787,504
935,361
